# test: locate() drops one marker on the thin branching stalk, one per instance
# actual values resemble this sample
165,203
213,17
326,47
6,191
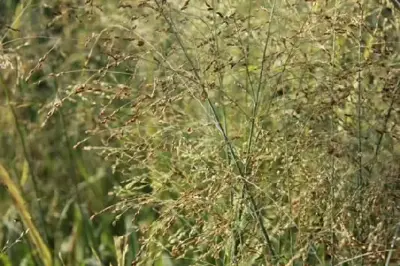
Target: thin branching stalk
219,126
359,126
332,132
359,101
386,120
256,104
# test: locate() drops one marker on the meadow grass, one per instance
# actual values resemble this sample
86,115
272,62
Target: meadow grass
200,133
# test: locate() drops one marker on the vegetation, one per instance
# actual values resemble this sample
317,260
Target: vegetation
199,132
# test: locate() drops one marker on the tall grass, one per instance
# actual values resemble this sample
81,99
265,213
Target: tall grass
20,204
242,132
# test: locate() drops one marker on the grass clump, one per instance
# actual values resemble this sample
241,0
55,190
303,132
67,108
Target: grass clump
241,133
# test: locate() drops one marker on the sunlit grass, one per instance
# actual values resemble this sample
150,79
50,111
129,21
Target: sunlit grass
230,132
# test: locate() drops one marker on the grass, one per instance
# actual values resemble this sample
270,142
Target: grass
31,231
200,133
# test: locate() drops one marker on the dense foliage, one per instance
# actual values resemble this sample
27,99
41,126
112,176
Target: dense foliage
199,132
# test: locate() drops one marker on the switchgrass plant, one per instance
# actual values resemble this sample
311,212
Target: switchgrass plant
244,132
252,132
248,130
